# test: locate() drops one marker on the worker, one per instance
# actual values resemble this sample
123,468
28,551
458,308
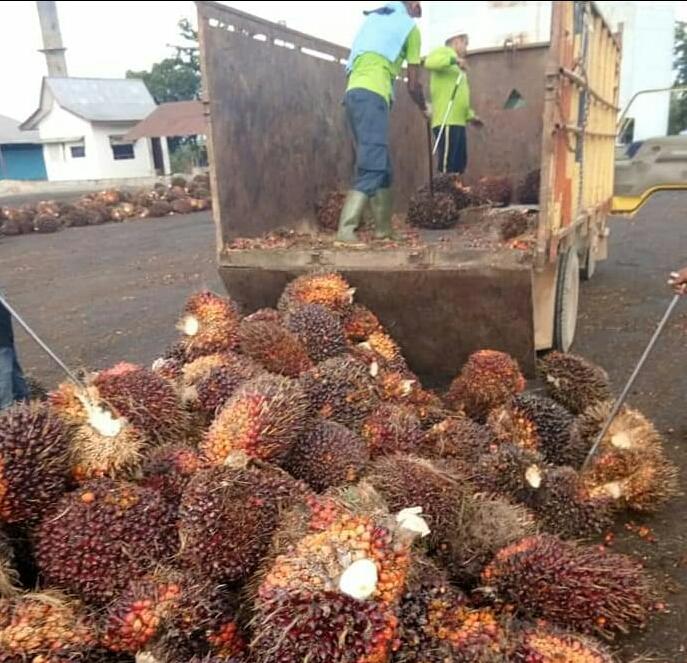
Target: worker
12,384
448,70
387,38
679,281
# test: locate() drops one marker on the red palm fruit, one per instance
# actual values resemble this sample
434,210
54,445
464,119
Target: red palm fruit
274,347
169,469
488,379
458,439
547,645
392,429
318,329
330,290
360,323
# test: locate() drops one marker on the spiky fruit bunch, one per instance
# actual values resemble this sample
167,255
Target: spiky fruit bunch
263,419
265,315
451,183
404,388
169,469
159,208
488,379
433,212
385,349
360,323
574,382
328,210
146,400
34,447
319,330
341,389
275,348
216,388
322,627
227,517
458,439
137,616
546,645
406,482
35,624
516,222
328,455
209,324
510,470
570,585
67,402
37,391
9,577
104,445
100,537
392,429
486,524
194,371
496,190
330,290
630,466
169,368
538,423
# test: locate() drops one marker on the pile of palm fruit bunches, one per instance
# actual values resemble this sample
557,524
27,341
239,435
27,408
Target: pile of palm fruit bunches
280,488
114,205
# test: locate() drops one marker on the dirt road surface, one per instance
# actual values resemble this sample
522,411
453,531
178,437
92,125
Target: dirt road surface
110,293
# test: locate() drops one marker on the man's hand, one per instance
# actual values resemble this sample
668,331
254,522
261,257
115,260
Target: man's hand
428,112
476,122
679,281
461,62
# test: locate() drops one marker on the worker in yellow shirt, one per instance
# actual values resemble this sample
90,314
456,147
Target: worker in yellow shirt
450,103
386,39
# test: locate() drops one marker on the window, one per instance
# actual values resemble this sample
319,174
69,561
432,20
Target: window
121,149
77,151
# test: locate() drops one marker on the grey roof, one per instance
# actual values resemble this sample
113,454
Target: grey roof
11,133
98,99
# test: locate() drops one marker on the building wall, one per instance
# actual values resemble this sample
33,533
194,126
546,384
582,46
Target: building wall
98,162
22,161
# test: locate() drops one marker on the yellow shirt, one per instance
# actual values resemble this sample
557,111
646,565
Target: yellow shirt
442,81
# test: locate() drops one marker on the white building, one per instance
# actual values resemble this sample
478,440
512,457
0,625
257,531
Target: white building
81,123
647,38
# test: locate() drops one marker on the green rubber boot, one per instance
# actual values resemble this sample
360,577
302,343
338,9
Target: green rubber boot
381,204
351,215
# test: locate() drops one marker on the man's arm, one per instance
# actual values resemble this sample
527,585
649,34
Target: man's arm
679,281
412,52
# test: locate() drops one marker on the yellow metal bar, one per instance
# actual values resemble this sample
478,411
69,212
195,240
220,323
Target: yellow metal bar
631,204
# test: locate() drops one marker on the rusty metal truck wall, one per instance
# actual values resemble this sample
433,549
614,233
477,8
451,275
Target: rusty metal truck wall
507,92
278,134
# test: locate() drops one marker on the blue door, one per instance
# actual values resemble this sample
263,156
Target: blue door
22,162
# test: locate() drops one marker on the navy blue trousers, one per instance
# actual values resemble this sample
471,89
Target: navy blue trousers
453,149
368,117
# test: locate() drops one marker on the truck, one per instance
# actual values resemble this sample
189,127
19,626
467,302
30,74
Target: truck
277,139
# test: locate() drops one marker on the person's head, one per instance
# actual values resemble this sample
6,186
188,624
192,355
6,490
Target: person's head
414,9
459,43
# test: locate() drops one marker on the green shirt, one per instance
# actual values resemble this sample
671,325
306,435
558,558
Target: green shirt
443,78
374,72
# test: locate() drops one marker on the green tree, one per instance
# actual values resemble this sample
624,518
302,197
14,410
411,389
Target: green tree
678,102
175,78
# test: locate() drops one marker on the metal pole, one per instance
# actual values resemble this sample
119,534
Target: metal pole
459,80
621,399
431,158
45,348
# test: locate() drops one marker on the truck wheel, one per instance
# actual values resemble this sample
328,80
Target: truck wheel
588,264
567,298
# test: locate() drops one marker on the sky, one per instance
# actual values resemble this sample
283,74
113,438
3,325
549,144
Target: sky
105,39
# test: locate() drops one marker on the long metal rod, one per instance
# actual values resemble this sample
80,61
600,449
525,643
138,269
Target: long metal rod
459,80
38,340
431,158
640,364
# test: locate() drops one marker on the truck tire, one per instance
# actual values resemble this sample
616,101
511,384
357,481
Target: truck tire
588,264
567,298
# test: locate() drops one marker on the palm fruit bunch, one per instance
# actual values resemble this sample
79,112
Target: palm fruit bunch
574,382
194,371
36,626
98,538
403,388
168,469
392,429
630,465
67,402
515,222
34,447
538,423
496,190
37,391
328,210
220,384
584,588
452,184
460,440
510,470
209,324
169,368
45,224
488,379
147,401
547,645
379,347
330,290
227,517
320,331
341,389
202,625
9,577
159,208
486,524
528,191
265,315
274,347
138,615
327,455
432,211
263,419
360,323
